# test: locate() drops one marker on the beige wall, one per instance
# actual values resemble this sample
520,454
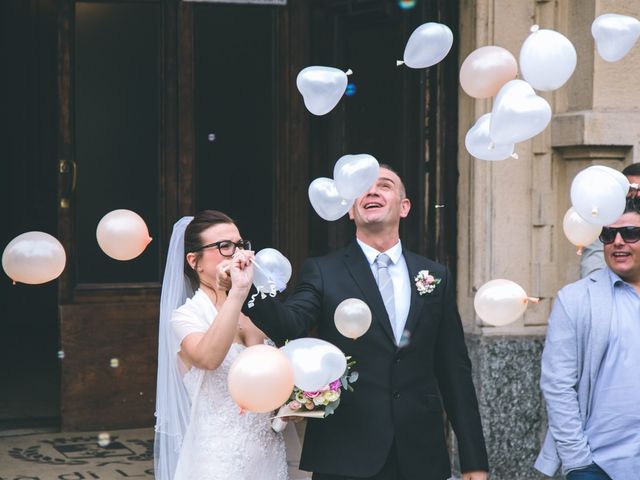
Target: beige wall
510,212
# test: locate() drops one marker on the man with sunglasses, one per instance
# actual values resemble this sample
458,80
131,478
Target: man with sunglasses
592,257
590,365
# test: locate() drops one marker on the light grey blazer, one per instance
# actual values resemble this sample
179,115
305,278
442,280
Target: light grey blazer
576,341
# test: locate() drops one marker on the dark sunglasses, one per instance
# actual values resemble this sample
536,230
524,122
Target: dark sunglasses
226,247
628,234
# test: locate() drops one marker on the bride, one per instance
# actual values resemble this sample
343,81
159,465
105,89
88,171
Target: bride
200,433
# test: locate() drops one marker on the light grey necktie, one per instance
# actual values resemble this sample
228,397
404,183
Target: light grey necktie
385,285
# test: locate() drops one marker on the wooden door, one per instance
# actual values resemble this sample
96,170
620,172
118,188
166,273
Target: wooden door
401,116
117,149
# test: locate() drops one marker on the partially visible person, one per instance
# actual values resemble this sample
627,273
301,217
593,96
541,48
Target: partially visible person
590,365
200,433
592,255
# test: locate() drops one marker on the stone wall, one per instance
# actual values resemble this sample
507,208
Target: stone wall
510,212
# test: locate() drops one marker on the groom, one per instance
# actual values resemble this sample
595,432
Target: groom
412,362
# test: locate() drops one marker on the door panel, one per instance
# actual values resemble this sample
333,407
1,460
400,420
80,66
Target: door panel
115,144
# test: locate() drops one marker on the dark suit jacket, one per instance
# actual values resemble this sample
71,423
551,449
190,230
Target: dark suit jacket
400,392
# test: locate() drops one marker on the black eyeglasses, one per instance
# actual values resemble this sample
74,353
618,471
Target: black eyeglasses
226,247
629,234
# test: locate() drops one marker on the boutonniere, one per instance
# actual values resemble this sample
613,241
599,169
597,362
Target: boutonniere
425,282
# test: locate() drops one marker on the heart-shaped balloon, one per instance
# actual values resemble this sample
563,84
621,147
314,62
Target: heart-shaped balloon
428,45
321,87
615,35
316,363
518,113
547,59
326,200
354,174
480,145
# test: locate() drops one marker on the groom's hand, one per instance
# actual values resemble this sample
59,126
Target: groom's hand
476,475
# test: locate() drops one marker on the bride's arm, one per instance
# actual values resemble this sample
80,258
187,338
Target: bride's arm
208,350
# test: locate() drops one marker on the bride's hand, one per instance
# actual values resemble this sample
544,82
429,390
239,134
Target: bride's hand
223,275
241,270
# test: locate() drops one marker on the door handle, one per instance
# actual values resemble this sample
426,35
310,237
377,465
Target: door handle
66,169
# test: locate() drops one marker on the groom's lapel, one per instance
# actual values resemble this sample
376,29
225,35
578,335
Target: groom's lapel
360,270
413,266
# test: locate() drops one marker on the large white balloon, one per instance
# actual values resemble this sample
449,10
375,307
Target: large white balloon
615,35
316,363
547,59
34,258
272,270
598,196
352,318
326,199
578,231
428,45
480,145
354,174
321,87
622,180
500,302
518,114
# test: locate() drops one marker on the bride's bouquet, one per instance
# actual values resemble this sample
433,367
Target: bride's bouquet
319,403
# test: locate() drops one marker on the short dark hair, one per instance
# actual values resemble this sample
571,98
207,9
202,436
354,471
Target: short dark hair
632,205
403,190
633,169
193,238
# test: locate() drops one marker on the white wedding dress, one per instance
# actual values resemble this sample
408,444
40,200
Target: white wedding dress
220,442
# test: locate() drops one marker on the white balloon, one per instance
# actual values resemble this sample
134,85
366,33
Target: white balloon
615,35
480,145
321,87
547,59
271,268
597,196
577,230
428,45
352,318
316,363
326,200
33,258
518,113
500,302
354,174
622,180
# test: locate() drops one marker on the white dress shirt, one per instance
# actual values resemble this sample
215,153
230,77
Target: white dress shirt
399,273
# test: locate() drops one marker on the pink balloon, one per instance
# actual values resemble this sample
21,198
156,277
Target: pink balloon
260,379
122,234
486,70
33,257
500,302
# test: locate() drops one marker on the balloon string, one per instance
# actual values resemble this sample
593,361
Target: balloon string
533,299
579,252
272,291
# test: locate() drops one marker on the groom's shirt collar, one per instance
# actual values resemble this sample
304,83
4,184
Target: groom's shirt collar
371,253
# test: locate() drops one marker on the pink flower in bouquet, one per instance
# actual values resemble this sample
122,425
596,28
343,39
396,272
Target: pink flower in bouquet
310,405
312,394
295,405
335,385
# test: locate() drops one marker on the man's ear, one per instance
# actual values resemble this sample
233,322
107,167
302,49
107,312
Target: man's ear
405,206
351,216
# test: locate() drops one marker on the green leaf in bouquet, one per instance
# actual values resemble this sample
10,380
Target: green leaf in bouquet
353,377
331,408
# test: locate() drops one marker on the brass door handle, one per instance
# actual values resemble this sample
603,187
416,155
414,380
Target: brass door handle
66,168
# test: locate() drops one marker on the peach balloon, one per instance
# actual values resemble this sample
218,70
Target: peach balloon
33,257
352,318
578,231
501,302
260,379
486,69
122,234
